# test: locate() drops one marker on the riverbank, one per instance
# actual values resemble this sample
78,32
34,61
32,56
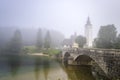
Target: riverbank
37,54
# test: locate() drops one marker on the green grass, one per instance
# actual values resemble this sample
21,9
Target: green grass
51,51
33,49
29,49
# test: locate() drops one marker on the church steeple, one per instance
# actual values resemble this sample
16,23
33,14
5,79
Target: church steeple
88,21
88,33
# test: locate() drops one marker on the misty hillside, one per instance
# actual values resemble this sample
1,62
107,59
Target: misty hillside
29,36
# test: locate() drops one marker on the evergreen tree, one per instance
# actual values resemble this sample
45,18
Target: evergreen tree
47,43
39,43
106,37
15,45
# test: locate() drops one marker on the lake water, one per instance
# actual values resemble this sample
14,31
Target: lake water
41,68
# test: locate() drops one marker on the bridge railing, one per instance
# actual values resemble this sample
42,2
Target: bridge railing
96,50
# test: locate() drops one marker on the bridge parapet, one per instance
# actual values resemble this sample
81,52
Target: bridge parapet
96,50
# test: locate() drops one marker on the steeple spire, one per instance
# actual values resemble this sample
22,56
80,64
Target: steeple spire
88,21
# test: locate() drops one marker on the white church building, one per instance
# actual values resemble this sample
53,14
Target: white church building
70,43
88,34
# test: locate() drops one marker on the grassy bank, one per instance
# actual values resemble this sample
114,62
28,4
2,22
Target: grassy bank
33,49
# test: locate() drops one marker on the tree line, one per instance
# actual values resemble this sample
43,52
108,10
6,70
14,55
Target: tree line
46,43
15,45
107,38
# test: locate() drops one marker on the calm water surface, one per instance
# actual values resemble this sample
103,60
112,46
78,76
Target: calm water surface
40,68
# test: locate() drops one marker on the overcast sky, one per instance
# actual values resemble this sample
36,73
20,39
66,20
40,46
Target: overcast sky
66,16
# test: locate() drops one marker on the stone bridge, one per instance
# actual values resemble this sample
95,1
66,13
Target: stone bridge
108,60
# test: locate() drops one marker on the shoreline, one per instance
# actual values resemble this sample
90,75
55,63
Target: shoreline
37,54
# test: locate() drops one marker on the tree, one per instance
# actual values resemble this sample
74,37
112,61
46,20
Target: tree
15,45
117,43
47,43
39,43
106,37
80,40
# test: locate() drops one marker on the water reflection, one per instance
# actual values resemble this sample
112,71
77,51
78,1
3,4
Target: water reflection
38,64
44,68
79,73
14,64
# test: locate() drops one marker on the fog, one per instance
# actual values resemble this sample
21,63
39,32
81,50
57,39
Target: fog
29,36
66,16
78,39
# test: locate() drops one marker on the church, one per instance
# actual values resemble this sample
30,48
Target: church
69,43
88,34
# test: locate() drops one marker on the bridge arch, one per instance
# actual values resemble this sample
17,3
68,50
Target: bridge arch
90,60
66,54
90,55
84,60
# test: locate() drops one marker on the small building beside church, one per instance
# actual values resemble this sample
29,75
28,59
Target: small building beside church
70,43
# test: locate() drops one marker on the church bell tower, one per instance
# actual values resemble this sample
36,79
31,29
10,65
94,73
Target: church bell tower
88,34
